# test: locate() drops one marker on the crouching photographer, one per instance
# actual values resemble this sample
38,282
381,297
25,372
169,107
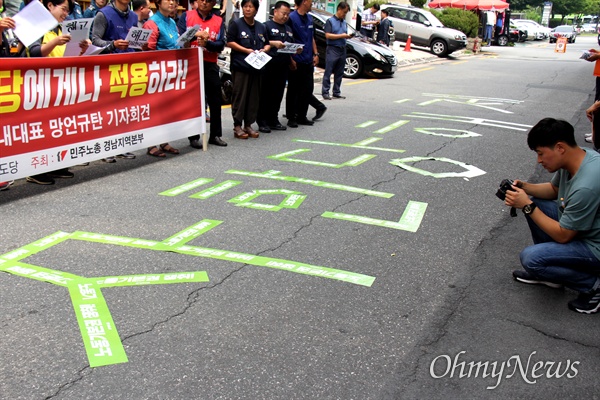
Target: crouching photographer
563,216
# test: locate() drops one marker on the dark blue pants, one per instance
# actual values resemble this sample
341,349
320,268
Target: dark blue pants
335,61
572,264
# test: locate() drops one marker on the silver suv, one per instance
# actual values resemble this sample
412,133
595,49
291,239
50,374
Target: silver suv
425,30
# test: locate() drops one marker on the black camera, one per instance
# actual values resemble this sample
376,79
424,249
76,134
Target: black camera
505,186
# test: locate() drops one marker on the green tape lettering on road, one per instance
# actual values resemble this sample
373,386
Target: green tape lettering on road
435,132
292,199
357,145
410,220
287,265
350,163
259,206
59,278
391,127
212,191
191,233
34,247
470,170
98,331
402,101
151,279
272,174
120,241
227,255
186,187
366,124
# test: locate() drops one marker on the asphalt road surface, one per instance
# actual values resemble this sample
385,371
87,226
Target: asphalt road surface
365,257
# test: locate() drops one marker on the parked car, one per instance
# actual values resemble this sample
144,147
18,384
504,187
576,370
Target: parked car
542,30
512,35
589,28
424,29
533,33
363,56
566,31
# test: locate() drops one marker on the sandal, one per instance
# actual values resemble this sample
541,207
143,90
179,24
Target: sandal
155,151
169,149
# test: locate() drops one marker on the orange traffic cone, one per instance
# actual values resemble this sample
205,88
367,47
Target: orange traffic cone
408,42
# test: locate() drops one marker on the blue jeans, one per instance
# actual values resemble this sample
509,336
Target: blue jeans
572,264
335,62
487,36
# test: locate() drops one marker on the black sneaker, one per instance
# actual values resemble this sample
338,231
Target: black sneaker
526,277
41,179
586,303
264,129
61,173
292,123
109,160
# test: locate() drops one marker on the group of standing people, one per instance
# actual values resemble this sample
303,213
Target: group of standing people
257,94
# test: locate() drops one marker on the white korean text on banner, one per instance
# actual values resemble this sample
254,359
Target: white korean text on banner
59,112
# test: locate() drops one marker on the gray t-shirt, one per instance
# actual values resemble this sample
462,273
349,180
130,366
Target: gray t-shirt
579,200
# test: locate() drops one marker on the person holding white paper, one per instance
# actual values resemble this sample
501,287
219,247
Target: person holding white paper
111,25
163,37
245,36
53,44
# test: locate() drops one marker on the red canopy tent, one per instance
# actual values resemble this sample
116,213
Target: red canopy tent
496,5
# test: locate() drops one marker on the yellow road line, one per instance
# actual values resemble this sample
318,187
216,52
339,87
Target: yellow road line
359,82
421,70
459,62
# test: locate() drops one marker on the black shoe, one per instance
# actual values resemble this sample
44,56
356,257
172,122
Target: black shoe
264,129
586,303
526,277
338,96
41,179
61,173
326,97
292,123
128,156
217,141
305,121
109,160
195,143
320,113
277,126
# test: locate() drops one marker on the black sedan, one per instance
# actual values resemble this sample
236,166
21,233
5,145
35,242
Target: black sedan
566,31
511,35
363,56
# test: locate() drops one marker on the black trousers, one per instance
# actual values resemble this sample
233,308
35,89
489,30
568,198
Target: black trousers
212,92
271,93
300,89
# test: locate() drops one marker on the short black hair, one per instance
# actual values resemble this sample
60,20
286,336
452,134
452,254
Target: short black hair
56,3
385,11
281,3
376,6
343,5
137,4
255,3
549,131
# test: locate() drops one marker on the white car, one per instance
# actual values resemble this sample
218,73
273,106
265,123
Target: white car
542,31
589,28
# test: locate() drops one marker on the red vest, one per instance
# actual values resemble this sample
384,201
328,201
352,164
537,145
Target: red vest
213,25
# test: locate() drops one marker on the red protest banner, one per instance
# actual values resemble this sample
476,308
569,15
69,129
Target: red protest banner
59,112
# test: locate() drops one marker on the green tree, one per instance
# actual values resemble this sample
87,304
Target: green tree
566,7
592,7
418,3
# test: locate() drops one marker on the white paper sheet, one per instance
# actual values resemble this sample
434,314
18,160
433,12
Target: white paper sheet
79,29
258,59
33,22
138,37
